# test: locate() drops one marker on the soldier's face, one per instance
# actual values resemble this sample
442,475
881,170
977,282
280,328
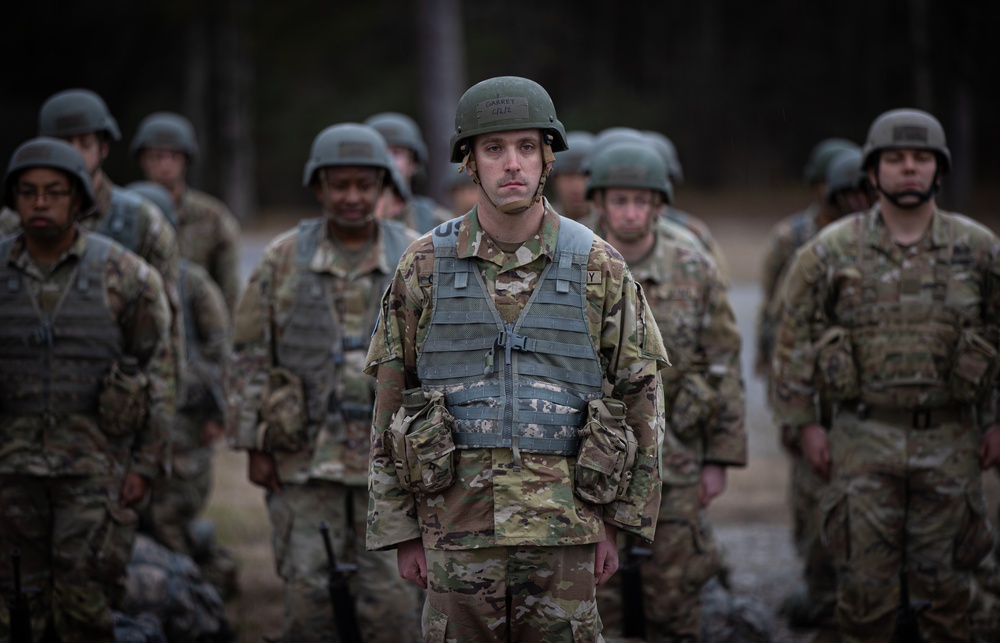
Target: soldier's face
570,189
46,201
509,164
93,148
628,213
163,165
906,173
404,159
349,193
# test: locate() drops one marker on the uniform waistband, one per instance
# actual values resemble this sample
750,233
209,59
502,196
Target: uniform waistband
916,418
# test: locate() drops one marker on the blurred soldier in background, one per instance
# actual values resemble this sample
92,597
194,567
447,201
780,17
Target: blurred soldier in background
300,404
463,190
703,391
207,232
85,369
199,422
812,603
568,181
891,315
409,154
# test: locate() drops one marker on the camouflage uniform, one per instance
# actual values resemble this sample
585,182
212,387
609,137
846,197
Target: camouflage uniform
705,402
422,214
327,478
61,469
498,516
209,235
903,448
700,230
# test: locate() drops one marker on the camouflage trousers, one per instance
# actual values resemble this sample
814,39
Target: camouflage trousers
904,495
804,493
178,499
75,543
684,556
388,607
530,594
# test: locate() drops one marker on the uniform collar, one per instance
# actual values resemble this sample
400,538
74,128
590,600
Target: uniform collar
473,241
877,234
329,256
22,261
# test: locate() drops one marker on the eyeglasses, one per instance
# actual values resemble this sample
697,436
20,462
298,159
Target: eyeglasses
50,194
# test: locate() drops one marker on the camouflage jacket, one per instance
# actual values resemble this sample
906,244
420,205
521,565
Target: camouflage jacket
825,287
700,230
209,235
491,503
422,213
689,302
337,453
74,444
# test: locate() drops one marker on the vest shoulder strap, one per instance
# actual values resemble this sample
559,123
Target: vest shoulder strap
395,241
308,239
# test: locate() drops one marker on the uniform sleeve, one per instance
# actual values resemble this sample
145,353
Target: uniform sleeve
211,324
726,441
628,333
225,265
769,315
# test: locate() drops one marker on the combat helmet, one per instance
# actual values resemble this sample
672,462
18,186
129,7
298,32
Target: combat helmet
166,129
570,160
630,164
74,112
49,152
347,144
159,195
399,130
668,151
821,155
907,128
608,137
844,173
501,104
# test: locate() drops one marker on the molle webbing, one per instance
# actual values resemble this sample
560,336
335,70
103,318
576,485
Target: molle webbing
55,363
121,221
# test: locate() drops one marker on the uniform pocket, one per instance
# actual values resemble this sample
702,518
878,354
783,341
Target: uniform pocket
975,539
836,524
113,541
586,624
435,624
430,454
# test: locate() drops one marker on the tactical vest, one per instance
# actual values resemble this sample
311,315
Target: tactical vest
522,385
54,363
313,343
121,221
423,214
904,346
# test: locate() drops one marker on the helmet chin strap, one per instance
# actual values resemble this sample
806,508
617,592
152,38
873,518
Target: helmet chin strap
896,197
519,206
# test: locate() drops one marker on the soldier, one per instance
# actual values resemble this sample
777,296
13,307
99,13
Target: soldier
84,342
199,422
569,182
301,405
514,350
703,391
463,190
812,603
892,315
207,232
409,154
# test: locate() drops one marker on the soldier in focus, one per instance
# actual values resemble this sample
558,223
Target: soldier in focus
514,351
891,316
703,391
568,179
409,154
300,404
85,369
207,232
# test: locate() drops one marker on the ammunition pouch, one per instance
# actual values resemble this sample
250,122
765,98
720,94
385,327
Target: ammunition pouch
835,364
420,444
123,404
607,453
974,373
694,407
283,413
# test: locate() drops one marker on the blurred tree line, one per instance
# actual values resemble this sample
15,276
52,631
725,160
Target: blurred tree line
743,88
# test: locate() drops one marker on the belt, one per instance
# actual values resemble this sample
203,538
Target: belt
918,418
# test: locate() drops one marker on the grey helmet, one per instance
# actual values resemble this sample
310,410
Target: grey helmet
399,130
821,155
608,137
570,160
166,129
53,153
844,172
347,144
909,129
629,164
74,112
160,197
668,151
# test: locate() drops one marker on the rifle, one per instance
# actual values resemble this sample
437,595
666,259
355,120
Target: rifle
17,606
344,613
633,603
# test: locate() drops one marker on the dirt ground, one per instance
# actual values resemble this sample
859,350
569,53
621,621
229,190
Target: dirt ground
751,518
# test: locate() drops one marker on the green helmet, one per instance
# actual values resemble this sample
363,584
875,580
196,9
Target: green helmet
668,151
501,104
76,111
458,177
166,129
400,130
159,195
347,144
53,153
910,129
570,160
629,164
398,185
821,155
844,172
608,137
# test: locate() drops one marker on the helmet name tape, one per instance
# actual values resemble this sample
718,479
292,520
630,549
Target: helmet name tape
166,139
909,133
627,173
498,109
35,153
357,149
67,121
